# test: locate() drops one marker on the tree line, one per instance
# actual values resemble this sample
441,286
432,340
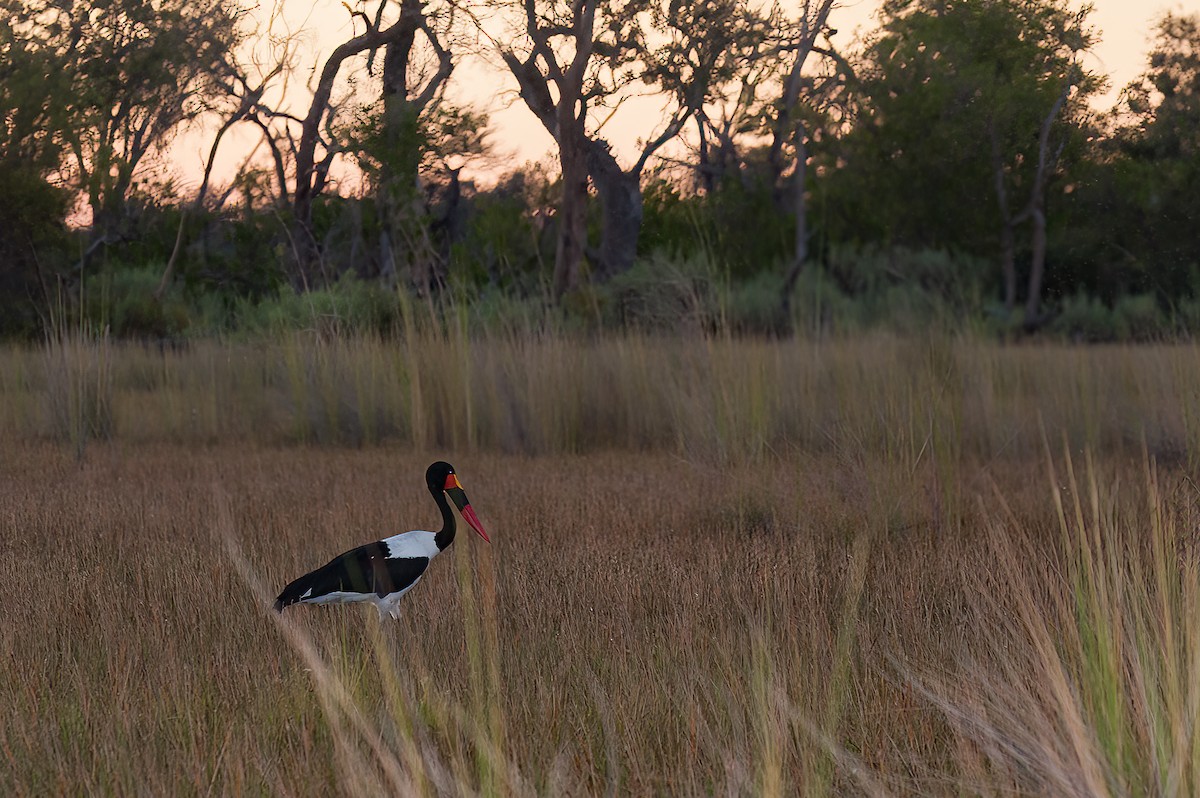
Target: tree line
967,130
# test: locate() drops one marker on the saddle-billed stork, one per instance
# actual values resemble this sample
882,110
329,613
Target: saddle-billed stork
382,572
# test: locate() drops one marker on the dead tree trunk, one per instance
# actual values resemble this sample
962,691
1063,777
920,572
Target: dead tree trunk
564,115
564,119
789,121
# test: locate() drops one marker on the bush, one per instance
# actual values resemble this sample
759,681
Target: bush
1139,318
1084,318
819,306
660,293
1186,316
898,289
33,240
123,301
756,305
349,306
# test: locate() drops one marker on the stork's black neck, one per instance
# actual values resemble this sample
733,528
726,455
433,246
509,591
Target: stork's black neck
445,537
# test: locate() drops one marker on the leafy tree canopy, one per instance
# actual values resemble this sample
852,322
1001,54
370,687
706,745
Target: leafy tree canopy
950,91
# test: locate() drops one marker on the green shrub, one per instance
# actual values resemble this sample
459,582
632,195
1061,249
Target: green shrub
497,312
349,306
953,280
756,305
1085,318
1186,316
660,293
819,306
33,243
124,301
1139,318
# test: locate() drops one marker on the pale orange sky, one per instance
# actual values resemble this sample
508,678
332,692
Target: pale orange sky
1125,28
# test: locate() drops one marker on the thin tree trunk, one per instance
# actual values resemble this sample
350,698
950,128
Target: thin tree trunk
813,22
1037,269
705,171
1008,254
1037,209
800,254
445,230
1008,265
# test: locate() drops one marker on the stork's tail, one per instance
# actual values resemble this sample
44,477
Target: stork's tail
294,592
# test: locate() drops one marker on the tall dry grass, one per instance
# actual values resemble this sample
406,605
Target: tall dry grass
717,399
719,566
640,625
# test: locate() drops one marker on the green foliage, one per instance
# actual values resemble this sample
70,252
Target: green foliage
902,291
1142,205
394,145
898,289
753,306
1137,317
951,92
1084,318
493,312
1185,316
944,100
33,242
408,154
31,86
123,301
125,76
659,293
1165,100
738,225
670,220
348,307
234,259
508,238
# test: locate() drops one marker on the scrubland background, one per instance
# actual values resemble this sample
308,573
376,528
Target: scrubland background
719,566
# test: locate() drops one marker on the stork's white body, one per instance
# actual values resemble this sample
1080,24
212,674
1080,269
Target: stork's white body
383,571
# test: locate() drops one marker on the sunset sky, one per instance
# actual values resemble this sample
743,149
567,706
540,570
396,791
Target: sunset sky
1125,27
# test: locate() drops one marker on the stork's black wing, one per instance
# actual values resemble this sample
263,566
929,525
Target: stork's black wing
364,570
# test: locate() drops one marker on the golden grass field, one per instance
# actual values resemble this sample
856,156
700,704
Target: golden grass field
718,567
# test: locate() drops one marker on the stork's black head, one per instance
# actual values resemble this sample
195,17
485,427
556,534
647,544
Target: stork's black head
440,477
435,475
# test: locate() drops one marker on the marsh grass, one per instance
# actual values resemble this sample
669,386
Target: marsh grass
719,566
716,399
800,626
78,396
1089,679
